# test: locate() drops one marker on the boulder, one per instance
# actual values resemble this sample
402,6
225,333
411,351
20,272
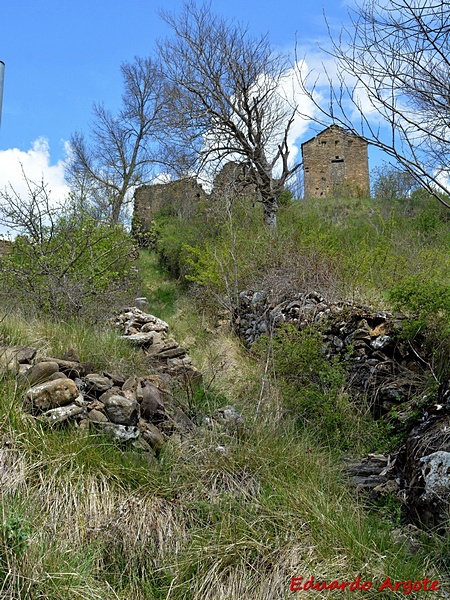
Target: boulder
121,410
41,371
50,394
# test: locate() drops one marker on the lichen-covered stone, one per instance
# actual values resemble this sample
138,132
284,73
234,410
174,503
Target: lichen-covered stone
50,394
435,472
121,410
63,413
121,433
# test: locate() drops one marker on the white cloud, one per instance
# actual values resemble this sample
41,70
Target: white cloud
36,165
162,178
291,90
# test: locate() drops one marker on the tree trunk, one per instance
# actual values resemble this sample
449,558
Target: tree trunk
116,206
270,212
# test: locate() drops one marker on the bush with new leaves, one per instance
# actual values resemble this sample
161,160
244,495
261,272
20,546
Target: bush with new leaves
63,262
80,268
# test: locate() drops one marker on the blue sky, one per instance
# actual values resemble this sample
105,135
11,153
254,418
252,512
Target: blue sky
62,56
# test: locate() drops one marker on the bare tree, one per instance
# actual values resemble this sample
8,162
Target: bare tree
226,100
122,150
390,183
393,85
62,262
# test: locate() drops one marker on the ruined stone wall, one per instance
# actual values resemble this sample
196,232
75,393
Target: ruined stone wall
176,197
181,197
336,163
5,247
233,181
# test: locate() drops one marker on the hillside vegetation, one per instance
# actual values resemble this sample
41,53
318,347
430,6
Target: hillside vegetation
220,514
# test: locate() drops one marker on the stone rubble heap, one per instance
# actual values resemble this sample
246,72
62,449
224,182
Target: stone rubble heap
383,369
389,373
141,411
150,334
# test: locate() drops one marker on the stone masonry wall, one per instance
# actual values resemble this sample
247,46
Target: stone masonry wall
182,196
336,163
178,196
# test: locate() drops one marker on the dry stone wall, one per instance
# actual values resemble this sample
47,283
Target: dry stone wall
141,411
380,361
390,373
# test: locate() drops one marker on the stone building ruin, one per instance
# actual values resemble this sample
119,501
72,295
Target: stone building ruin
182,197
175,197
233,181
335,164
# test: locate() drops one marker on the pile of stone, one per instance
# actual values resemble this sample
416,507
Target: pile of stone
151,335
390,373
384,369
126,408
374,473
425,464
141,411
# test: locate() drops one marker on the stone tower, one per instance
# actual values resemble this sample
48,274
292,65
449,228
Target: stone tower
336,164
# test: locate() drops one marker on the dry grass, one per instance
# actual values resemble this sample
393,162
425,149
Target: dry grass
218,516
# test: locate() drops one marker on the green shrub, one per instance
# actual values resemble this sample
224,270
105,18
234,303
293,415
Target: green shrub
314,388
75,267
15,532
427,301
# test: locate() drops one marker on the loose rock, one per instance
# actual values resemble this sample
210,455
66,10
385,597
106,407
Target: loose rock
97,384
63,413
121,410
50,395
40,372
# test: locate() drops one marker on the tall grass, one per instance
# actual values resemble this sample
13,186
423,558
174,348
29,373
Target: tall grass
218,515
353,249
